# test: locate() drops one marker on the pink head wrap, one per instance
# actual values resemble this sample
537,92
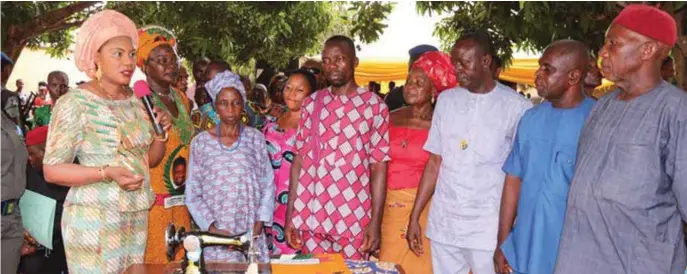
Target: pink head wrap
439,68
98,29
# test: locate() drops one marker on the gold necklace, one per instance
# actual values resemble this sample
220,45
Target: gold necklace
404,142
117,121
102,90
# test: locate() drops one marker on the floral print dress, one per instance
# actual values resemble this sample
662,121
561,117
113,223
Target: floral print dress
280,144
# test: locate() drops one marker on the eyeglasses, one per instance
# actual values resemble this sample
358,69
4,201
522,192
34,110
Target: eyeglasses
165,60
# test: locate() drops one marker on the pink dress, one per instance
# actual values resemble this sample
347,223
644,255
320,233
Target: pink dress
280,146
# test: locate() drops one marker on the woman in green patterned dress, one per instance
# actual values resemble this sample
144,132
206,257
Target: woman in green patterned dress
103,124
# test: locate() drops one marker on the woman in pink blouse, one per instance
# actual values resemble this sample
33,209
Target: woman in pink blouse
281,138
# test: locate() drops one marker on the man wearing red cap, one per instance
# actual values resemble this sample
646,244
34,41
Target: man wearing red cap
628,196
38,259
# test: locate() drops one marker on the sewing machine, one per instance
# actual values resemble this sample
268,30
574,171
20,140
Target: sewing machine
194,242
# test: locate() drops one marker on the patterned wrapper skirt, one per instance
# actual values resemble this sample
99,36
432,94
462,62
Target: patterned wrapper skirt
394,247
103,241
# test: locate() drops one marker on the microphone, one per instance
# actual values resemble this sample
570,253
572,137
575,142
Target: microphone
142,90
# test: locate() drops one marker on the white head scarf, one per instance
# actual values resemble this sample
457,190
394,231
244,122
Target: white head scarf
225,79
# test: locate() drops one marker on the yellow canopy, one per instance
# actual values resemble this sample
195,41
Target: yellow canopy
380,71
383,71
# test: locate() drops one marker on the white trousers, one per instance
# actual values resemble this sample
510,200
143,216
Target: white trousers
448,259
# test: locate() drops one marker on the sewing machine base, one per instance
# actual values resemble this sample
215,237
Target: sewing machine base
175,268
194,261
219,268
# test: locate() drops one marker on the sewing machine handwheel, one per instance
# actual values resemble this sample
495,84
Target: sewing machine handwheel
171,241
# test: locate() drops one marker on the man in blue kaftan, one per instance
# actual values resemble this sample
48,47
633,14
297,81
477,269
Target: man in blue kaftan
540,166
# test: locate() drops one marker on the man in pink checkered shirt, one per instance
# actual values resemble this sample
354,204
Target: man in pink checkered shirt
338,177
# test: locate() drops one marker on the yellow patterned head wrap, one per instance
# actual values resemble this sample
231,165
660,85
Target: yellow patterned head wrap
149,38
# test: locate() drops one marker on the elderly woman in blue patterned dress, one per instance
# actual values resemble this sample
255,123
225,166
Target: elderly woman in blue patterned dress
229,187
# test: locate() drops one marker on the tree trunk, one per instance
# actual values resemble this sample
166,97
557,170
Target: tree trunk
14,43
680,50
18,36
293,64
267,72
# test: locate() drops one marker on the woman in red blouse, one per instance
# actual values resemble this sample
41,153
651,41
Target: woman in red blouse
432,73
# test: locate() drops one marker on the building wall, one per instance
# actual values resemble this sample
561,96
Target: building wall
33,66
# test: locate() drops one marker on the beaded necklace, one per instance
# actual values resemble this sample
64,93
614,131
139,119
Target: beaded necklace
238,140
182,123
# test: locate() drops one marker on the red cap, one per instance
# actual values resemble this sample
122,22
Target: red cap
37,136
649,21
141,88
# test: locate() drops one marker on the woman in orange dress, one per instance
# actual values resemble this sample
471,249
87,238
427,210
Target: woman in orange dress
157,58
432,73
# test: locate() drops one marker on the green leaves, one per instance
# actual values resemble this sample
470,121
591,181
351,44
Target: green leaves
367,21
525,25
238,32
497,18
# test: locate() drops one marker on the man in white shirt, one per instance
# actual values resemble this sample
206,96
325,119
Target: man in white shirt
471,134
20,91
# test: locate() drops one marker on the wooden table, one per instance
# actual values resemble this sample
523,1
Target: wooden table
238,268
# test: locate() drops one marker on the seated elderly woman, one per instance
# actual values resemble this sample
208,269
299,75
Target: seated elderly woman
229,187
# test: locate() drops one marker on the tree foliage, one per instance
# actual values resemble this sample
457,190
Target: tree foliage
532,25
524,24
238,31
367,19
275,32
37,24
468,17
